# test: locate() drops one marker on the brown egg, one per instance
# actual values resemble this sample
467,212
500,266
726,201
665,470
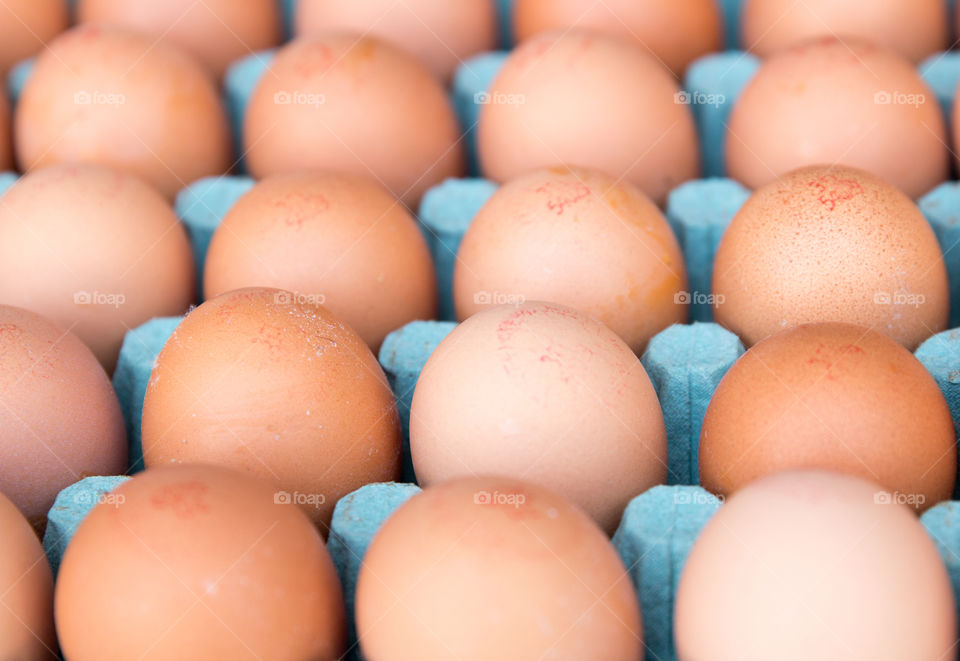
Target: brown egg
655,25
831,244
831,396
26,583
441,34
26,26
812,565
216,32
585,99
60,419
340,240
846,103
105,252
356,105
494,568
106,96
580,238
279,387
198,563
544,393
915,29
6,148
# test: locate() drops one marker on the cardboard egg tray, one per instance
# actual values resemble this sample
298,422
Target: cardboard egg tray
684,362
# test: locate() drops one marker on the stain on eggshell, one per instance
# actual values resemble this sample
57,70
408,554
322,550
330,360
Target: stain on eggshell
356,105
198,563
836,397
59,416
441,34
340,240
111,97
579,238
105,251
655,25
276,386
482,539
586,99
216,32
831,244
541,392
845,103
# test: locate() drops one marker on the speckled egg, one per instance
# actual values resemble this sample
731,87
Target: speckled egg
580,238
276,386
836,397
540,392
838,102
585,99
831,244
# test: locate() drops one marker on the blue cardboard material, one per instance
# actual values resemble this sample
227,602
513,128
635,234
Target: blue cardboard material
238,85
470,84
138,353
402,357
71,508
940,354
446,212
356,519
686,364
699,212
658,529
941,206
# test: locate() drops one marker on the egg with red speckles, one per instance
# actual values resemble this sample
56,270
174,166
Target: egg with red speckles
277,386
541,392
831,244
834,397
577,237
843,103
586,99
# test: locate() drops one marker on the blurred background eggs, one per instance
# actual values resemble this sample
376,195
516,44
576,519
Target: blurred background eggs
340,240
442,34
831,396
198,563
675,33
6,146
105,252
831,244
837,102
915,29
812,565
543,393
26,26
60,419
278,387
585,99
216,32
26,583
357,105
481,539
112,97
579,238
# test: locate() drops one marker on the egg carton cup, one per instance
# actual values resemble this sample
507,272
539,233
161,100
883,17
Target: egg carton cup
654,539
